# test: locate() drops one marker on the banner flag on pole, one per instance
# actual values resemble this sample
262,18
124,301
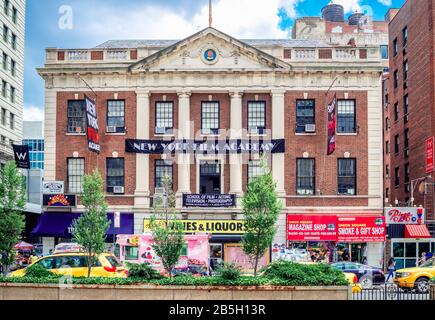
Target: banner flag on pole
332,124
21,154
92,126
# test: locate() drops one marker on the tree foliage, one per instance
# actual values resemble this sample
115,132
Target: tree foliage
12,205
89,230
261,208
167,231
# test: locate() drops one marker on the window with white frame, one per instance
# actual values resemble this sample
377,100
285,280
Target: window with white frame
304,115
12,121
346,122
346,176
12,94
75,173
116,115
257,116
76,116
305,176
163,168
164,117
114,173
255,169
210,117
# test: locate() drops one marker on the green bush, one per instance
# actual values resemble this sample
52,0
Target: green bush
38,271
142,271
432,280
305,274
229,271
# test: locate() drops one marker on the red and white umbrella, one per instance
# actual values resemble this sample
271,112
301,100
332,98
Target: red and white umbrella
23,246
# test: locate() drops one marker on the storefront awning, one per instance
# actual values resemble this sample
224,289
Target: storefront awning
417,231
59,224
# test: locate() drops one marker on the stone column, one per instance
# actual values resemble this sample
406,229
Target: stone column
278,128
142,191
236,160
183,160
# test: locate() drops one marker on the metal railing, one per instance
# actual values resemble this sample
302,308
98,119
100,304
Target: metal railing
393,292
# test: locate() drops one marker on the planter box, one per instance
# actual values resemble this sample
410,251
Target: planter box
23,291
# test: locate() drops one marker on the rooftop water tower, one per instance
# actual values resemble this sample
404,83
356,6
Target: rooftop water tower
333,12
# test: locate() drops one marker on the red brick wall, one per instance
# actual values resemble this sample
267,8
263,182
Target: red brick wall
419,17
315,145
67,144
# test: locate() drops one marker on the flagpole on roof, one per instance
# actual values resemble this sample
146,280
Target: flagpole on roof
210,14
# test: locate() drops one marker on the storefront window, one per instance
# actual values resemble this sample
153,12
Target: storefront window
131,253
406,253
423,247
398,249
410,250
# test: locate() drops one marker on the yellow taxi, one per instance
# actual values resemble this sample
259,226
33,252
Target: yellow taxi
416,278
75,265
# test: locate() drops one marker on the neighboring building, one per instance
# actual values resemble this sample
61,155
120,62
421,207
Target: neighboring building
12,22
359,29
200,88
33,136
412,116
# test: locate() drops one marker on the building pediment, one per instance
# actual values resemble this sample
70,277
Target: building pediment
211,50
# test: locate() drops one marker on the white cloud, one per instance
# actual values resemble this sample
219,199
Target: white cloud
33,113
350,5
239,18
386,3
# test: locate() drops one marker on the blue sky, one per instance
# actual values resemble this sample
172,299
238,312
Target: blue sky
87,23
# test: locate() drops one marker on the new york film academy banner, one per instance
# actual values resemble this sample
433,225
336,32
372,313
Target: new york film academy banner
332,124
205,147
92,126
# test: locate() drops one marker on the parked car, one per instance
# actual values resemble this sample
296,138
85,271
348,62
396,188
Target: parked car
75,264
416,278
367,275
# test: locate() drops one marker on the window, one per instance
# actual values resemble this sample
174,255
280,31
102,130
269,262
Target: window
4,88
387,123
74,262
12,121
406,142
396,79
405,36
396,112
116,115
76,171
131,253
14,41
5,61
406,106
210,117
3,116
115,173
395,47
396,177
346,116
384,52
405,70
396,144
305,176
347,176
14,14
164,117
387,147
254,169
163,168
387,170
387,193
13,67
12,97
257,116
304,114
76,116
6,4
407,173
5,33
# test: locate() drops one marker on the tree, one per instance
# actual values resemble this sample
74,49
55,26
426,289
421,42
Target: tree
89,230
167,231
12,205
260,207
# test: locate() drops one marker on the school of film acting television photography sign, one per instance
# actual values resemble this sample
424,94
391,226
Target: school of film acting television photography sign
405,215
92,126
209,200
53,187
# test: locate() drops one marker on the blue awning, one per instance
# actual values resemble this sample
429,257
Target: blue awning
59,224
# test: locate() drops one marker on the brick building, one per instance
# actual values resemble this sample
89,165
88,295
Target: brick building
206,89
410,113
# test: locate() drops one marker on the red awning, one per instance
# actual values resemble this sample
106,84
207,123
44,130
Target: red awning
417,231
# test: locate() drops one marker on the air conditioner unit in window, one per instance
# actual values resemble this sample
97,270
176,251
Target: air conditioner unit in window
160,130
350,191
310,128
254,131
159,190
118,190
111,129
206,131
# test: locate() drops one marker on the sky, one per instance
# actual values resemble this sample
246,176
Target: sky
87,23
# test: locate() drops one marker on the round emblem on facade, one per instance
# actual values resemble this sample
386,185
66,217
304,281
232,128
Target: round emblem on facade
210,55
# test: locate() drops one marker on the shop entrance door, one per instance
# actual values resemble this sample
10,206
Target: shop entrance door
210,177
358,252
216,255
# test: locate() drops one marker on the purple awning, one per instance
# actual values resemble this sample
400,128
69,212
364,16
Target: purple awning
59,224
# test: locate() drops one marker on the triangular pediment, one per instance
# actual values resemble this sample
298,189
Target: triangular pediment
210,49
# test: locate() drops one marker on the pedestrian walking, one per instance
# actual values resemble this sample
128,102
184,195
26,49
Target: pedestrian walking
391,268
422,259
